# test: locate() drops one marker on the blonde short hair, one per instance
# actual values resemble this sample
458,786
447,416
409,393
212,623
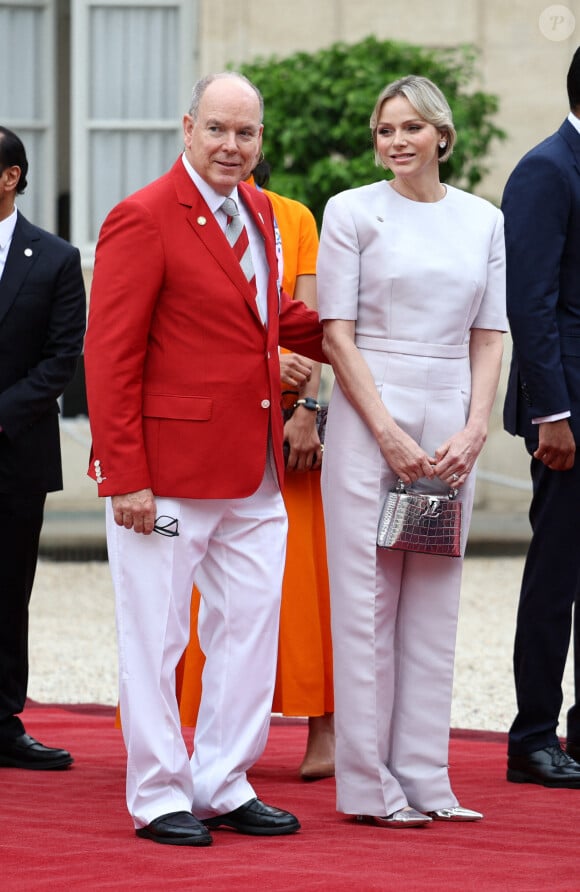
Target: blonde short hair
429,102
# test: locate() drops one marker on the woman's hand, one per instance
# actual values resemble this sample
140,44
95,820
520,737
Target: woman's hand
456,457
301,433
404,456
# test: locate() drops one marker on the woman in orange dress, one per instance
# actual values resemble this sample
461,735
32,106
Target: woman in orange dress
304,672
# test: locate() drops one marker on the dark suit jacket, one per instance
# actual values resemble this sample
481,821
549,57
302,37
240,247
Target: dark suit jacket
541,205
183,378
42,322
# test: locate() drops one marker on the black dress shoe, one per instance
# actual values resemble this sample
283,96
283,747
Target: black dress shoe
256,819
549,767
177,828
573,750
26,752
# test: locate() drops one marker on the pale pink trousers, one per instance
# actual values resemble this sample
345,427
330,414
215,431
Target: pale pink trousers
394,615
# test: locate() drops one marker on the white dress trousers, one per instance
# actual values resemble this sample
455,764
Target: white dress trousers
234,549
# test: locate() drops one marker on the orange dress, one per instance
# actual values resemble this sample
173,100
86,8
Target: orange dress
304,672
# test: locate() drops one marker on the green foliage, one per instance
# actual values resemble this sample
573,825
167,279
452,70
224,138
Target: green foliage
317,109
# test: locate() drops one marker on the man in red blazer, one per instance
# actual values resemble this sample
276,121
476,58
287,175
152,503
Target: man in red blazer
183,385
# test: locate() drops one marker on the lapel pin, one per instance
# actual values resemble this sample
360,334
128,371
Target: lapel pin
202,221
28,252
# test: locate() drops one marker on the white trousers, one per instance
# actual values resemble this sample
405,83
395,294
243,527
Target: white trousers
234,549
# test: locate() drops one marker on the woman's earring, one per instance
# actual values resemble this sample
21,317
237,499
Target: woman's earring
442,144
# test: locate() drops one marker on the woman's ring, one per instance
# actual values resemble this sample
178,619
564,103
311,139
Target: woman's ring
322,447
455,477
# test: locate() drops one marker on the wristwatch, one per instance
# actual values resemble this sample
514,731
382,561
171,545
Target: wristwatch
309,403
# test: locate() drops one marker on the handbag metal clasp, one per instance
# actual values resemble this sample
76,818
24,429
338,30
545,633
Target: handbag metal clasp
433,507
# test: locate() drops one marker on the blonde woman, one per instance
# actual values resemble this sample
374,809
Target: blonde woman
411,290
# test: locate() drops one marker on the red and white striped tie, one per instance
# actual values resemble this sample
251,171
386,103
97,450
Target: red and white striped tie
237,236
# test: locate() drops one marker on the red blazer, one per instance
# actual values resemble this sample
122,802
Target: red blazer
183,379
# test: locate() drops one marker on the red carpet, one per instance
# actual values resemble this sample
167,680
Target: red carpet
70,830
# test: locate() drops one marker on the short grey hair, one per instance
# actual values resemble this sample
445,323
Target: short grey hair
203,83
429,102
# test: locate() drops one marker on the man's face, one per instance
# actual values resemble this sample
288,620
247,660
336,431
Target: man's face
224,142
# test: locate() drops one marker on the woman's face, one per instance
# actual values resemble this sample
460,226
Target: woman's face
406,143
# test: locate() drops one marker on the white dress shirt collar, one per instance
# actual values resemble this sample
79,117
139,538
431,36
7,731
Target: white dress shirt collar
574,121
212,198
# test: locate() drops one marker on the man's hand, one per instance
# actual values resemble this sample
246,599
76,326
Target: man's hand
301,433
295,369
135,510
556,447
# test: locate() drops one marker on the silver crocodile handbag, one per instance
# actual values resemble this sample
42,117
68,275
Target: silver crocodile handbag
413,521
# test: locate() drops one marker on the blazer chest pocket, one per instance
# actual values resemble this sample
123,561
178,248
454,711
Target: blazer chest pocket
178,408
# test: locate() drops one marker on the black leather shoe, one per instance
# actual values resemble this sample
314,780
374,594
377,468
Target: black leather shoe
26,752
256,819
549,767
573,750
177,828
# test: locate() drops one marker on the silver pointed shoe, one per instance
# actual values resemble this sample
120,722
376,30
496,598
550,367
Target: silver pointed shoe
404,817
457,813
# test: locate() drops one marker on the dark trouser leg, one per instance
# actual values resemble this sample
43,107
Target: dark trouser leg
20,525
573,718
549,589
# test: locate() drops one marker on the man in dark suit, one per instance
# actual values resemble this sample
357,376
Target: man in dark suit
541,205
42,321
183,384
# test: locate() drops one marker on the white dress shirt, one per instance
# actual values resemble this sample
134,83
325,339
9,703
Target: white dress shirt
6,232
7,226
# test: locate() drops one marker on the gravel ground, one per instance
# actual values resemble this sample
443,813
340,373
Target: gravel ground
73,649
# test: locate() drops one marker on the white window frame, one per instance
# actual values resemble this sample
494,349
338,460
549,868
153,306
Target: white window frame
39,201
82,125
